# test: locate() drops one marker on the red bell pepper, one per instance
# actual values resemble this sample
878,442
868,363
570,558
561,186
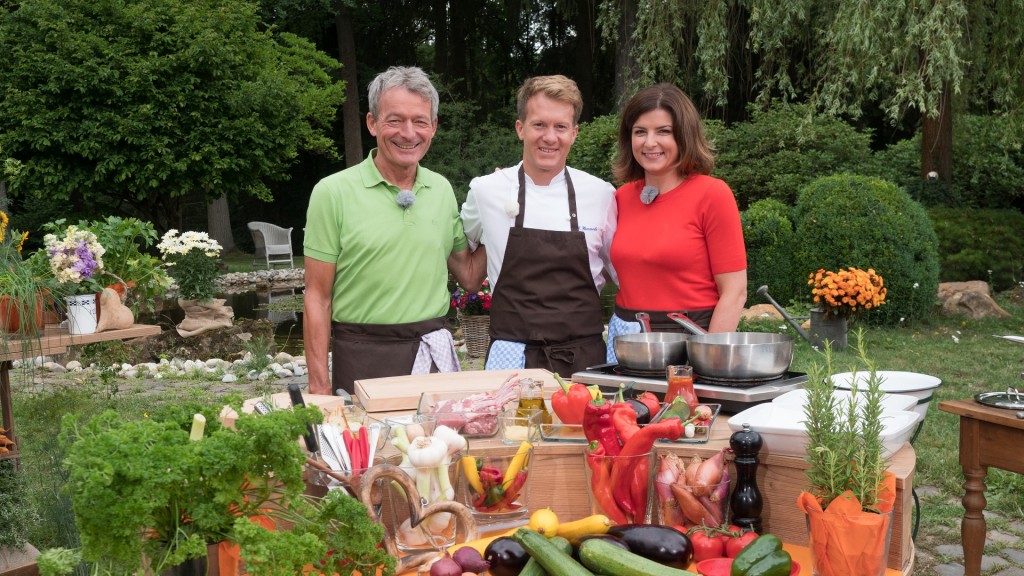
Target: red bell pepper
597,425
599,483
570,401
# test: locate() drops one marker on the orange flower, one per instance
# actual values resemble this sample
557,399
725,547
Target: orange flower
846,292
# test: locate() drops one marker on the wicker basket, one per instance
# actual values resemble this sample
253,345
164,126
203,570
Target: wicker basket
476,331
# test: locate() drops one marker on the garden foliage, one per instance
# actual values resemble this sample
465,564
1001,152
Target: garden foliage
980,245
771,242
846,220
988,164
784,148
595,147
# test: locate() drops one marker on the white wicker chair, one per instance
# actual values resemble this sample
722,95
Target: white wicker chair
273,244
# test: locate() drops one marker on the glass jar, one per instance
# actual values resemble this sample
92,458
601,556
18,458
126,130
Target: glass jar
531,400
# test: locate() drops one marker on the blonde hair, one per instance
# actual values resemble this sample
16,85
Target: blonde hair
556,87
695,153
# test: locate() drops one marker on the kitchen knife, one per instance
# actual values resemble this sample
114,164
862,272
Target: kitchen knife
296,396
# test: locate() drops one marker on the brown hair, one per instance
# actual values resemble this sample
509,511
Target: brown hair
556,87
695,153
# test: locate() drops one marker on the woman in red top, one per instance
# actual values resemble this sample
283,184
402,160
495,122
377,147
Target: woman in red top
678,245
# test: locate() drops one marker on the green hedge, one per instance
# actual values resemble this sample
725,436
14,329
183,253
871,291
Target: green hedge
988,164
846,220
980,245
780,150
595,147
770,240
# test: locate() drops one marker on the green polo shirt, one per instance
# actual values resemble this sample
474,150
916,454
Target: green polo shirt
391,262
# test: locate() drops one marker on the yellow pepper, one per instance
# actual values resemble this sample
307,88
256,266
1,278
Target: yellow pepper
472,474
518,463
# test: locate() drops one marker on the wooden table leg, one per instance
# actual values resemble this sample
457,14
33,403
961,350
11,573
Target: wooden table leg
6,412
972,527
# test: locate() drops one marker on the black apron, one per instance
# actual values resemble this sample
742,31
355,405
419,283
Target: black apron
545,296
660,322
361,351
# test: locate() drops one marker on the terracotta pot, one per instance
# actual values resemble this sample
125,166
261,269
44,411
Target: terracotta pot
12,316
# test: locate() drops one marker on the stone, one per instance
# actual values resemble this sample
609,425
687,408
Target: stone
229,378
74,365
53,367
971,299
761,312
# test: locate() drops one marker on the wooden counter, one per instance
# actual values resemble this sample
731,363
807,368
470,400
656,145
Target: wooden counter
558,480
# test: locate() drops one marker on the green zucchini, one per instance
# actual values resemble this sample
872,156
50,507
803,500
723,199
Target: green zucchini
761,547
607,558
533,567
549,555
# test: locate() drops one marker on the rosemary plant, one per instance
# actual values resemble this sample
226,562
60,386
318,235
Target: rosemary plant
844,446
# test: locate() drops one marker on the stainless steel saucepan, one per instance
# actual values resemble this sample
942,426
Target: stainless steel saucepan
736,355
649,351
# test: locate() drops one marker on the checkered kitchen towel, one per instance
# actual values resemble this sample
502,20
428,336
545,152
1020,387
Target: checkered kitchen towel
436,348
618,327
506,355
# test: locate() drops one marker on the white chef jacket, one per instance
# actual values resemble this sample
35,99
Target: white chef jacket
492,205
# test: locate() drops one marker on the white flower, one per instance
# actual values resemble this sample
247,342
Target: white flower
955,339
916,285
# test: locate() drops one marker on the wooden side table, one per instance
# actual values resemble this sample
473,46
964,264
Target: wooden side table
53,340
988,437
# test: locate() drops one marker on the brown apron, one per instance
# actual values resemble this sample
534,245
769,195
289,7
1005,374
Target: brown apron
660,322
361,351
545,296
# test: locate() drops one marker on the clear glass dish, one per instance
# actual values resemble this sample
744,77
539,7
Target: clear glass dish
481,424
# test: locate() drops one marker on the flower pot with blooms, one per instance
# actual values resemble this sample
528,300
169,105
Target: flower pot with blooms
841,298
76,259
192,260
23,289
474,309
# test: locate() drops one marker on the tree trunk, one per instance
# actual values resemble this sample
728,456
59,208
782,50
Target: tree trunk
218,220
352,120
625,65
584,53
937,142
457,41
441,38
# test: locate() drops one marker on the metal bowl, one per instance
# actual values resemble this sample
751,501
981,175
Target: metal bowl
650,350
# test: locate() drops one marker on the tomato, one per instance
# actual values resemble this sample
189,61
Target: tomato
732,529
651,401
733,547
707,545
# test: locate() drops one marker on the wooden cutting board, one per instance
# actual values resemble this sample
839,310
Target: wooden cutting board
403,392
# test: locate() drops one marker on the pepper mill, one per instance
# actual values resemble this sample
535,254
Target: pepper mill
746,502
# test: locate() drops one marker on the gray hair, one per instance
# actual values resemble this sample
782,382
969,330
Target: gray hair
411,78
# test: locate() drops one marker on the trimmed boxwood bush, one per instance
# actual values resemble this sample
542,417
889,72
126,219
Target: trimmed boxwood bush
980,245
769,237
846,220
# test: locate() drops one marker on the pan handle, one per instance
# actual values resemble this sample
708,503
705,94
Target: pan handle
685,322
645,321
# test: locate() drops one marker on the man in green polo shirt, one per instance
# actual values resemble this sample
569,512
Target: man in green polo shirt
380,238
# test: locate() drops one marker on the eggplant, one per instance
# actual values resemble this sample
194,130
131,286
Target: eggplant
662,544
506,557
606,537
643,413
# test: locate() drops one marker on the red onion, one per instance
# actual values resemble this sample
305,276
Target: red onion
470,560
445,566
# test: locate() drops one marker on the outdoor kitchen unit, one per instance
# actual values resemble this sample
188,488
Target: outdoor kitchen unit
734,396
